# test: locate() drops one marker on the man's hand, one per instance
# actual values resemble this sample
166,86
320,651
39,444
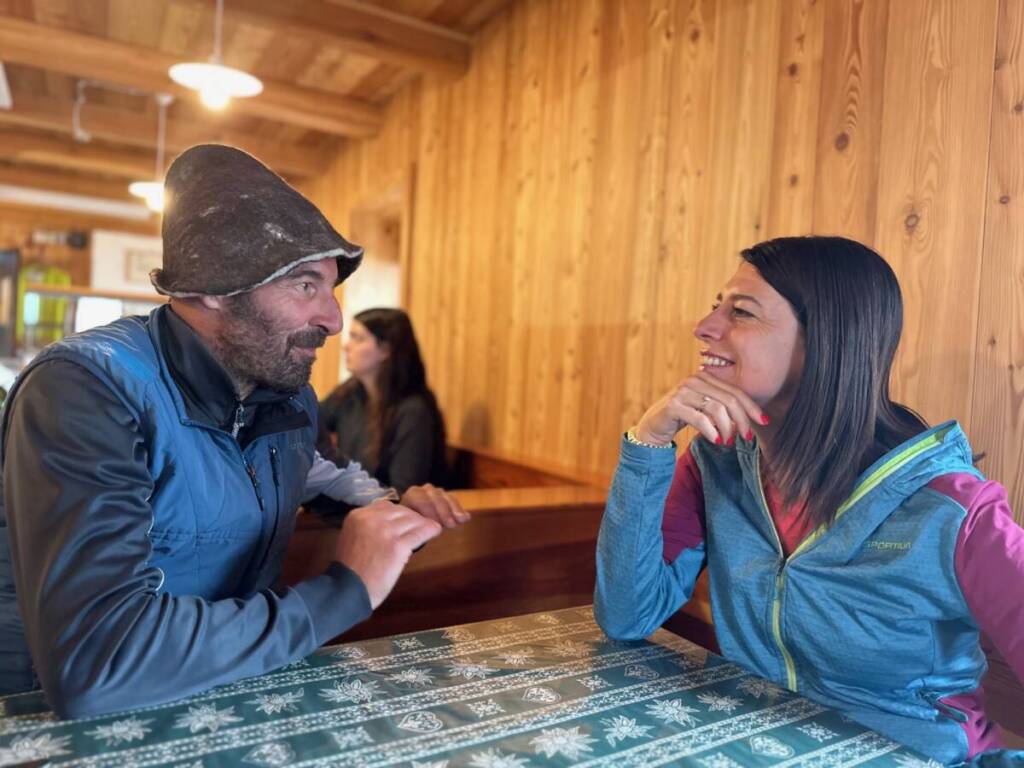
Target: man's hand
435,504
376,541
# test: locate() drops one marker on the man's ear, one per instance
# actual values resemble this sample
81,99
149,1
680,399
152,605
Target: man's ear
215,303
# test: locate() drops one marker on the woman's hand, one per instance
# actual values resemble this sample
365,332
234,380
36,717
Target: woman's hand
435,504
719,411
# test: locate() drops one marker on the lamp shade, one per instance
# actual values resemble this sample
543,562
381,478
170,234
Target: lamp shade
216,83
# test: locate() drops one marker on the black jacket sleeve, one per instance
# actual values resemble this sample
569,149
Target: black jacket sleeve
103,637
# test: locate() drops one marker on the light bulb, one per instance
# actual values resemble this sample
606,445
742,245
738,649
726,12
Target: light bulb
151,192
155,201
214,97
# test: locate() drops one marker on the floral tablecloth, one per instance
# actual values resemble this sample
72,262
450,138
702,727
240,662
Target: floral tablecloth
537,690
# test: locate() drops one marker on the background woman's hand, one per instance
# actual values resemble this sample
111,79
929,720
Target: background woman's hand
435,504
716,409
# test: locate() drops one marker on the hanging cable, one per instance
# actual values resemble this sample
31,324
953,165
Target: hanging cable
218,22
77,131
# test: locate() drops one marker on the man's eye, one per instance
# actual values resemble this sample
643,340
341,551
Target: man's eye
307,288
741,312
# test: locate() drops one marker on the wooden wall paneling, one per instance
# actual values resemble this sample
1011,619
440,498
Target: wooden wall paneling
458,287
997,414
545,211
529,33
445,254
850,118
931,191
553,257
647,37
743,102
483,419
679,297
425,272
797,104
576,217
478,246
607,281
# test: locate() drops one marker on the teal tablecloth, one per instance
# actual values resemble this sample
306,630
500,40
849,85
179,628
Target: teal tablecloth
544,689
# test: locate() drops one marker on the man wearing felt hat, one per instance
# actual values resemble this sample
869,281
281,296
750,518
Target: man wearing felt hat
152,468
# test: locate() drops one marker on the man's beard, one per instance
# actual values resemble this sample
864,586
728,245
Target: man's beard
256,351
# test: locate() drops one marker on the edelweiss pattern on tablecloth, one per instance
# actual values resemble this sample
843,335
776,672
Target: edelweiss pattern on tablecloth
537,690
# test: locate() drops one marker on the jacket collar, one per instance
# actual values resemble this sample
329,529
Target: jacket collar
879,490
209,396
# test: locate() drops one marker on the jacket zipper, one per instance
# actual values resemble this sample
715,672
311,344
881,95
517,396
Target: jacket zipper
861,490
947,709
273,467
277,509
780,583
249,469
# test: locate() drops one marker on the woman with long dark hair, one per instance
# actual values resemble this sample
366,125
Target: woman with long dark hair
854,553
385,417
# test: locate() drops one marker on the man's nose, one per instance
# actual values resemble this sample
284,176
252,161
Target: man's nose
329,315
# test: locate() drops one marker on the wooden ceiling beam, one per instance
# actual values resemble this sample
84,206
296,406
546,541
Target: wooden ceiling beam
54,181
97,58
42,149
135,129
362,28
55,218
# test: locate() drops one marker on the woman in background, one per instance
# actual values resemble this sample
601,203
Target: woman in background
854,554
385,417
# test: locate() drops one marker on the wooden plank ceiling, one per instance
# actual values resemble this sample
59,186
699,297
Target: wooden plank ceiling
328,67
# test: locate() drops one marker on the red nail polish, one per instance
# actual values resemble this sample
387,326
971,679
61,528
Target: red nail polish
718,439
750,434
764,418
731,440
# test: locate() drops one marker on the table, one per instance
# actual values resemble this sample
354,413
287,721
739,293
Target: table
535,690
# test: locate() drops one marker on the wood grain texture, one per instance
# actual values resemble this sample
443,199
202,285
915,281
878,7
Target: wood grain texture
583,191
850,118
353,52
997,413
931,192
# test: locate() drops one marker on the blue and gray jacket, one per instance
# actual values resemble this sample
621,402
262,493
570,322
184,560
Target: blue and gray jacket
145,515
865,616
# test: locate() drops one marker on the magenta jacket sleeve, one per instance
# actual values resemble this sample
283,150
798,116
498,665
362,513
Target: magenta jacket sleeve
989,560
682,522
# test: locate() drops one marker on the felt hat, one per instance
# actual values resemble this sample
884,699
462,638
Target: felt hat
231,225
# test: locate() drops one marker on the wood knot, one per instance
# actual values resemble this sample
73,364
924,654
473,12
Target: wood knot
842,141
695,36
1018,107
793,180
793,69
1004,199
911,222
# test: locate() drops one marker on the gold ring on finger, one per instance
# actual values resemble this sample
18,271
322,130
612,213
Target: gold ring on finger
703,403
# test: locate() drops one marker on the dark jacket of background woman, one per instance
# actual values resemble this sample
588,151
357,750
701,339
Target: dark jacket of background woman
400,438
